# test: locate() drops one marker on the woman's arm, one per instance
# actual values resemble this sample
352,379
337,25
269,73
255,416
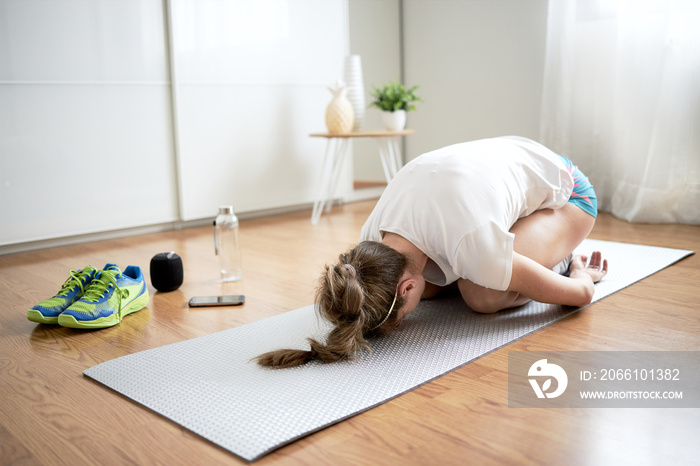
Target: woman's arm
541,284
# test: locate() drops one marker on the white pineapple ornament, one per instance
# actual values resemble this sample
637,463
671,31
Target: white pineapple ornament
339,114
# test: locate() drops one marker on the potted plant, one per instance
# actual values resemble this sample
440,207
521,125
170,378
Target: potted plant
394,100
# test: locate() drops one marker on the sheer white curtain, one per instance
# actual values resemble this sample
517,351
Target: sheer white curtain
622,99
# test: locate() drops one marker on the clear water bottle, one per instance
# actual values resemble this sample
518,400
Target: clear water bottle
226,244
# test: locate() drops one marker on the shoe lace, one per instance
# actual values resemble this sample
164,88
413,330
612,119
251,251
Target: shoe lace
75,279
101,286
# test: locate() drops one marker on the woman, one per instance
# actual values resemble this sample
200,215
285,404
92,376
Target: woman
492,217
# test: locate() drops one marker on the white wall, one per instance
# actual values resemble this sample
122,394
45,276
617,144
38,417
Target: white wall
87,136
251,81
375,37
88,142
480,65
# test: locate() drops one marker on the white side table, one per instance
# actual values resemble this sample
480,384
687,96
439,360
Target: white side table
336,152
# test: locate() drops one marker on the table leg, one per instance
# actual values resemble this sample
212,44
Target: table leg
393,145
323,180
390,156
385,155
336,150
339,162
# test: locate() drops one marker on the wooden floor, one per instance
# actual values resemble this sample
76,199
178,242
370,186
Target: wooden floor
50,414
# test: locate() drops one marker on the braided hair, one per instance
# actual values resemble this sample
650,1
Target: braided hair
356,295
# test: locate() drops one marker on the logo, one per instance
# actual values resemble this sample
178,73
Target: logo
542,368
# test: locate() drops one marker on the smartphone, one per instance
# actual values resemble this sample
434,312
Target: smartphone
228,300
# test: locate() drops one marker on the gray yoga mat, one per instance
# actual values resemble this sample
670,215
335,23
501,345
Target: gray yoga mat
209,386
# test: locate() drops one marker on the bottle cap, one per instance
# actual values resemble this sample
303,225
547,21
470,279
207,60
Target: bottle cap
226,210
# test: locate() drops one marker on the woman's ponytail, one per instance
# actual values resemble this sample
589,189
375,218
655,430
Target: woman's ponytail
355,295
284,358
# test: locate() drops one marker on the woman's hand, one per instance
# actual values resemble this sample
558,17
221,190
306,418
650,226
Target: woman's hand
596,268
539,283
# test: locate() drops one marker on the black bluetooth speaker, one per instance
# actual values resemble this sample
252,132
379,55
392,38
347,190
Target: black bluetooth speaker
166,271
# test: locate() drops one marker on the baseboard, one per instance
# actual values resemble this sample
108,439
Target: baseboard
365,184
97,236
133,231
358,195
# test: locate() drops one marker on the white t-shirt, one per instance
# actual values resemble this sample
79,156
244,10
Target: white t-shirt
456,204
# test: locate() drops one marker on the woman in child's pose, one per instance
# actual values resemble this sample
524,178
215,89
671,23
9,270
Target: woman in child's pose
492,217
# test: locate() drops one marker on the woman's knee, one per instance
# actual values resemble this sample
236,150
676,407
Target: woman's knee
481,304
485,300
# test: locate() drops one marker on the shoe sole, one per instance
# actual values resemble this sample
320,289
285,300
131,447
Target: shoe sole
38,317
137,304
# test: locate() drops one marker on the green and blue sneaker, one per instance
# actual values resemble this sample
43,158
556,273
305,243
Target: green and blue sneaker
47,311
111,296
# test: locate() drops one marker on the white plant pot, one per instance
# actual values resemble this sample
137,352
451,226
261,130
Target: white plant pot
394,121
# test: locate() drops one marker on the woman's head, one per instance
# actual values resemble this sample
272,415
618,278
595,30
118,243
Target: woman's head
355,294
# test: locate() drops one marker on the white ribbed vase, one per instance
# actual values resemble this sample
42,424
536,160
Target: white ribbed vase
356,89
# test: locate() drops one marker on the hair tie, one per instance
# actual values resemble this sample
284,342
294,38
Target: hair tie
396,295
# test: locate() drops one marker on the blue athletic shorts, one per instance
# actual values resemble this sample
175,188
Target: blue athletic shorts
583,195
